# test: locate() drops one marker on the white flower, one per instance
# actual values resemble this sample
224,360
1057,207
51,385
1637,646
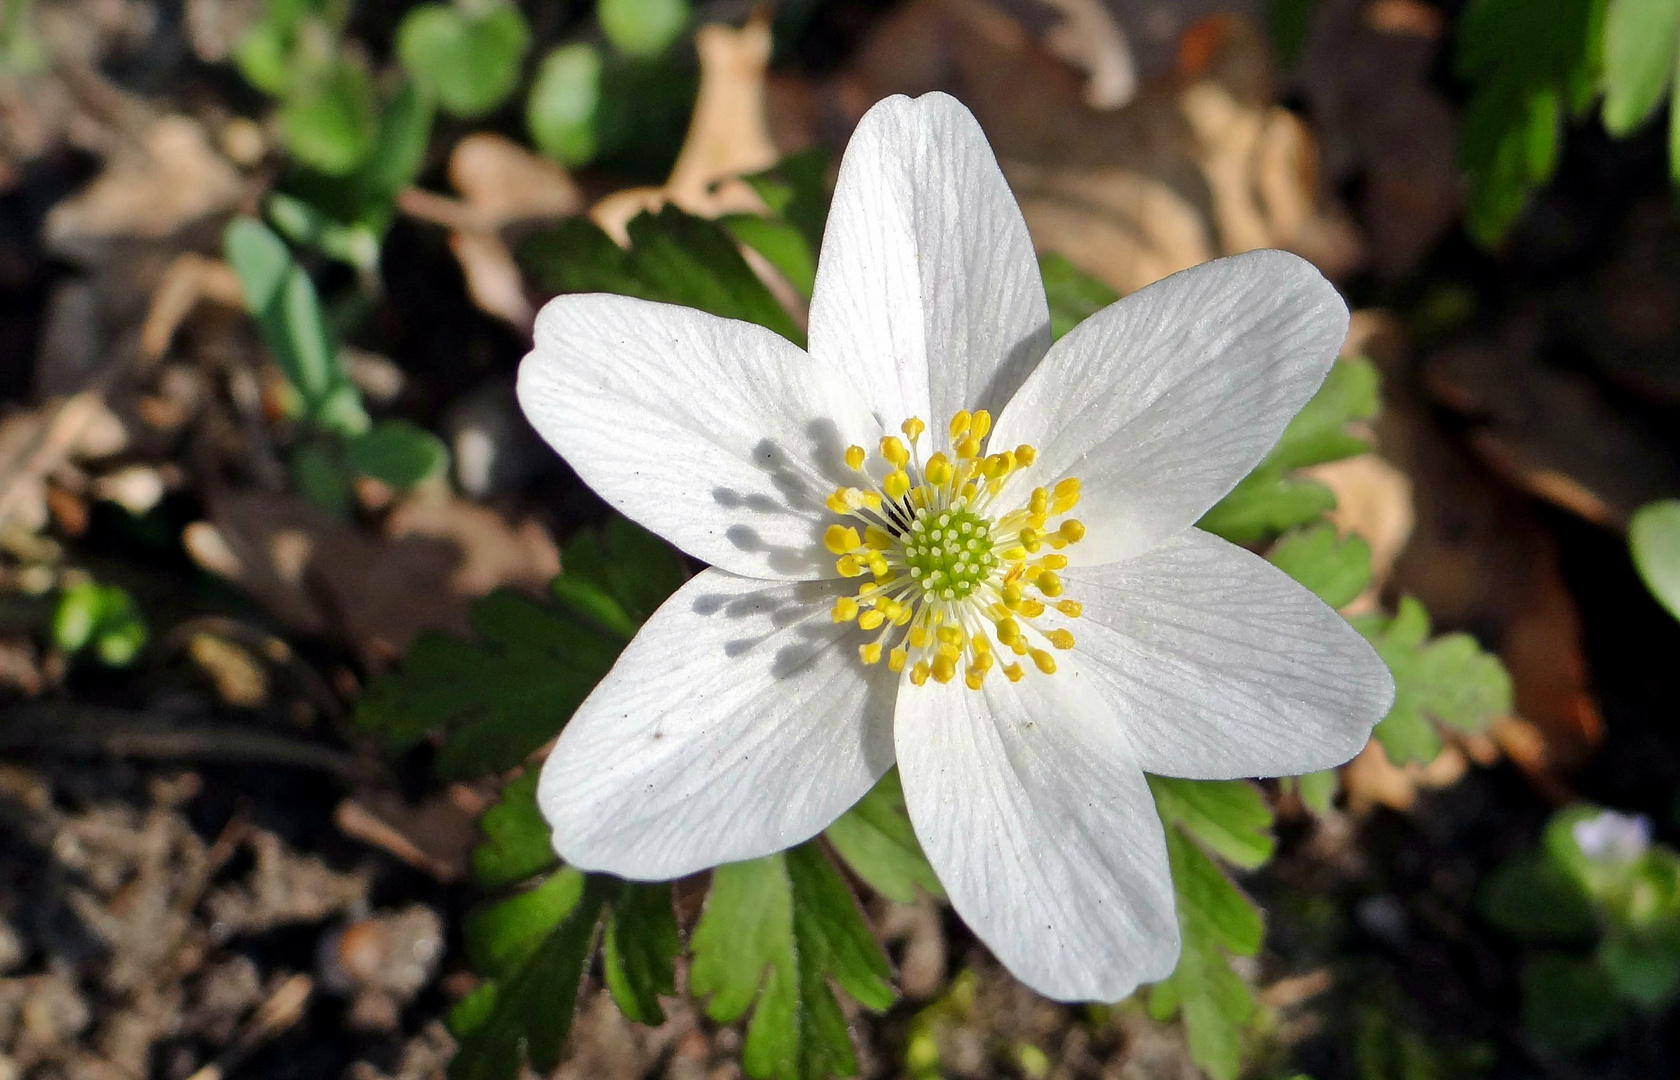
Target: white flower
929,600
1612,838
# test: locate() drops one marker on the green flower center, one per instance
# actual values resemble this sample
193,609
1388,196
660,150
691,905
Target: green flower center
949,552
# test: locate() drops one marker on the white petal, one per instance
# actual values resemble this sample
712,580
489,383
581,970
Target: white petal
927,291
1162,401
1035,814
719,435
1221,666
739,722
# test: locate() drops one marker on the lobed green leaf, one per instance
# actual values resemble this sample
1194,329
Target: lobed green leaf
877,841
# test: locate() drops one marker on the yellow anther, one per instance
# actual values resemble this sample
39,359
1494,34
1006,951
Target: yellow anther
891,608
984,661
872,619
969,447
878,564
912,429
854,457
970,490
938,471
1019,648
1072,530
877,538
959,423
1071,608
980,424
1065,495
919,673
870,651
975,678
868,588
919,637
1014,672
1043,660
952,651
1008,631
981,644
896,484
1049,562
897,658
894,451
1031,571
998,466
1015,554
845,609
1039,502
1026,454
944,668
1049,584
1031,540
1062,639
848,566
836,502
1011,592
841,539
870,499
950,635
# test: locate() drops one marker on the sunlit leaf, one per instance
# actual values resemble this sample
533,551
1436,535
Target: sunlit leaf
1654,540
1448,680
469,61
878,843
774,932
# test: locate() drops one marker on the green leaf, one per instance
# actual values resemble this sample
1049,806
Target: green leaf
1640,39
1073,294
1334,568
640,949
1265,503
279,294
502,696
562,112
516,838
528,1007
627,572
1229,816
398,453
1319,433
1643,971
674,257
1568,1003
1528,62
1214,919
796,190
878,843
1448,680
103,616
261,55
642,28
331,118
399,151
1318,790
469,61
1530,897
774,931
1269,500
497,698
1654,541
503,936
782,245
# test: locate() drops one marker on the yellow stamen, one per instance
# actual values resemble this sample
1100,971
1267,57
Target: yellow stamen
1060,638
841,539
894,451
1044,661
870,651
854,458
845,609
1071,608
